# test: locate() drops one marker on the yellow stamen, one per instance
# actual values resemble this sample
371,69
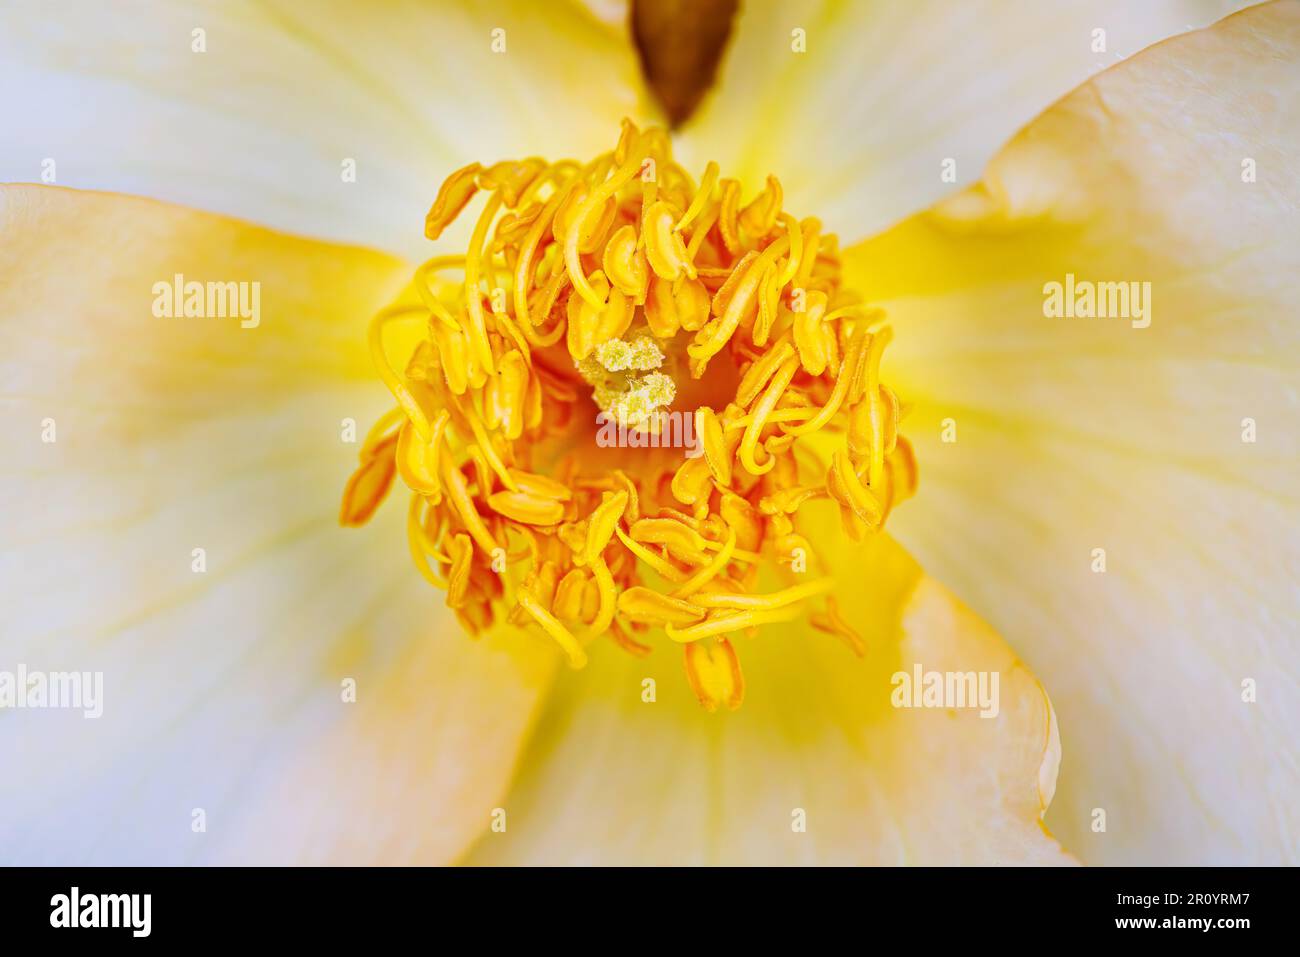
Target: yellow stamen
766,403
701,232
729,623
569,594
709,571
833,623
761,372
647,606
598,196
758,217
415,541
600,528
525,508
658,563
680,539
395,385
540,485
462,553
625,264
871,387
663,245
843,382
778,599
431,301
563,637
713,671
458,493
489,452
608,592
473,297
369,483
727,215
707,182
810,336
847,489
710,340
455,194
627,642
599,287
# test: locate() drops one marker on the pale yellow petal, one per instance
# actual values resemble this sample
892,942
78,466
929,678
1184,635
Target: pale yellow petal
1172,447
327,117
132,440
816,767
892,104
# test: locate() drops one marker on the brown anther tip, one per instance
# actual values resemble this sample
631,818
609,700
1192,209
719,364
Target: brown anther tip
680,43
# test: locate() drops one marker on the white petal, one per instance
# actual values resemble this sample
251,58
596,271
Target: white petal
1076,434
816,767
860,127
262,124
223,688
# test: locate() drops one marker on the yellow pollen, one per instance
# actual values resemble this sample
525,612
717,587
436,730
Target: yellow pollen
623,386
619,290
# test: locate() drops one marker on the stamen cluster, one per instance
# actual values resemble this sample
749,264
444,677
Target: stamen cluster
622,287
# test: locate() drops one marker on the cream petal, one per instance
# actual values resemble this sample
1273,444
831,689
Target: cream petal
222,690
816,767
1179,169
860,126
261,124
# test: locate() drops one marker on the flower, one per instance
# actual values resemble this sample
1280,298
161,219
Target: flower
177,531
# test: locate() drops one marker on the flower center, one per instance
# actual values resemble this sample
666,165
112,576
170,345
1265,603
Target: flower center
713,341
